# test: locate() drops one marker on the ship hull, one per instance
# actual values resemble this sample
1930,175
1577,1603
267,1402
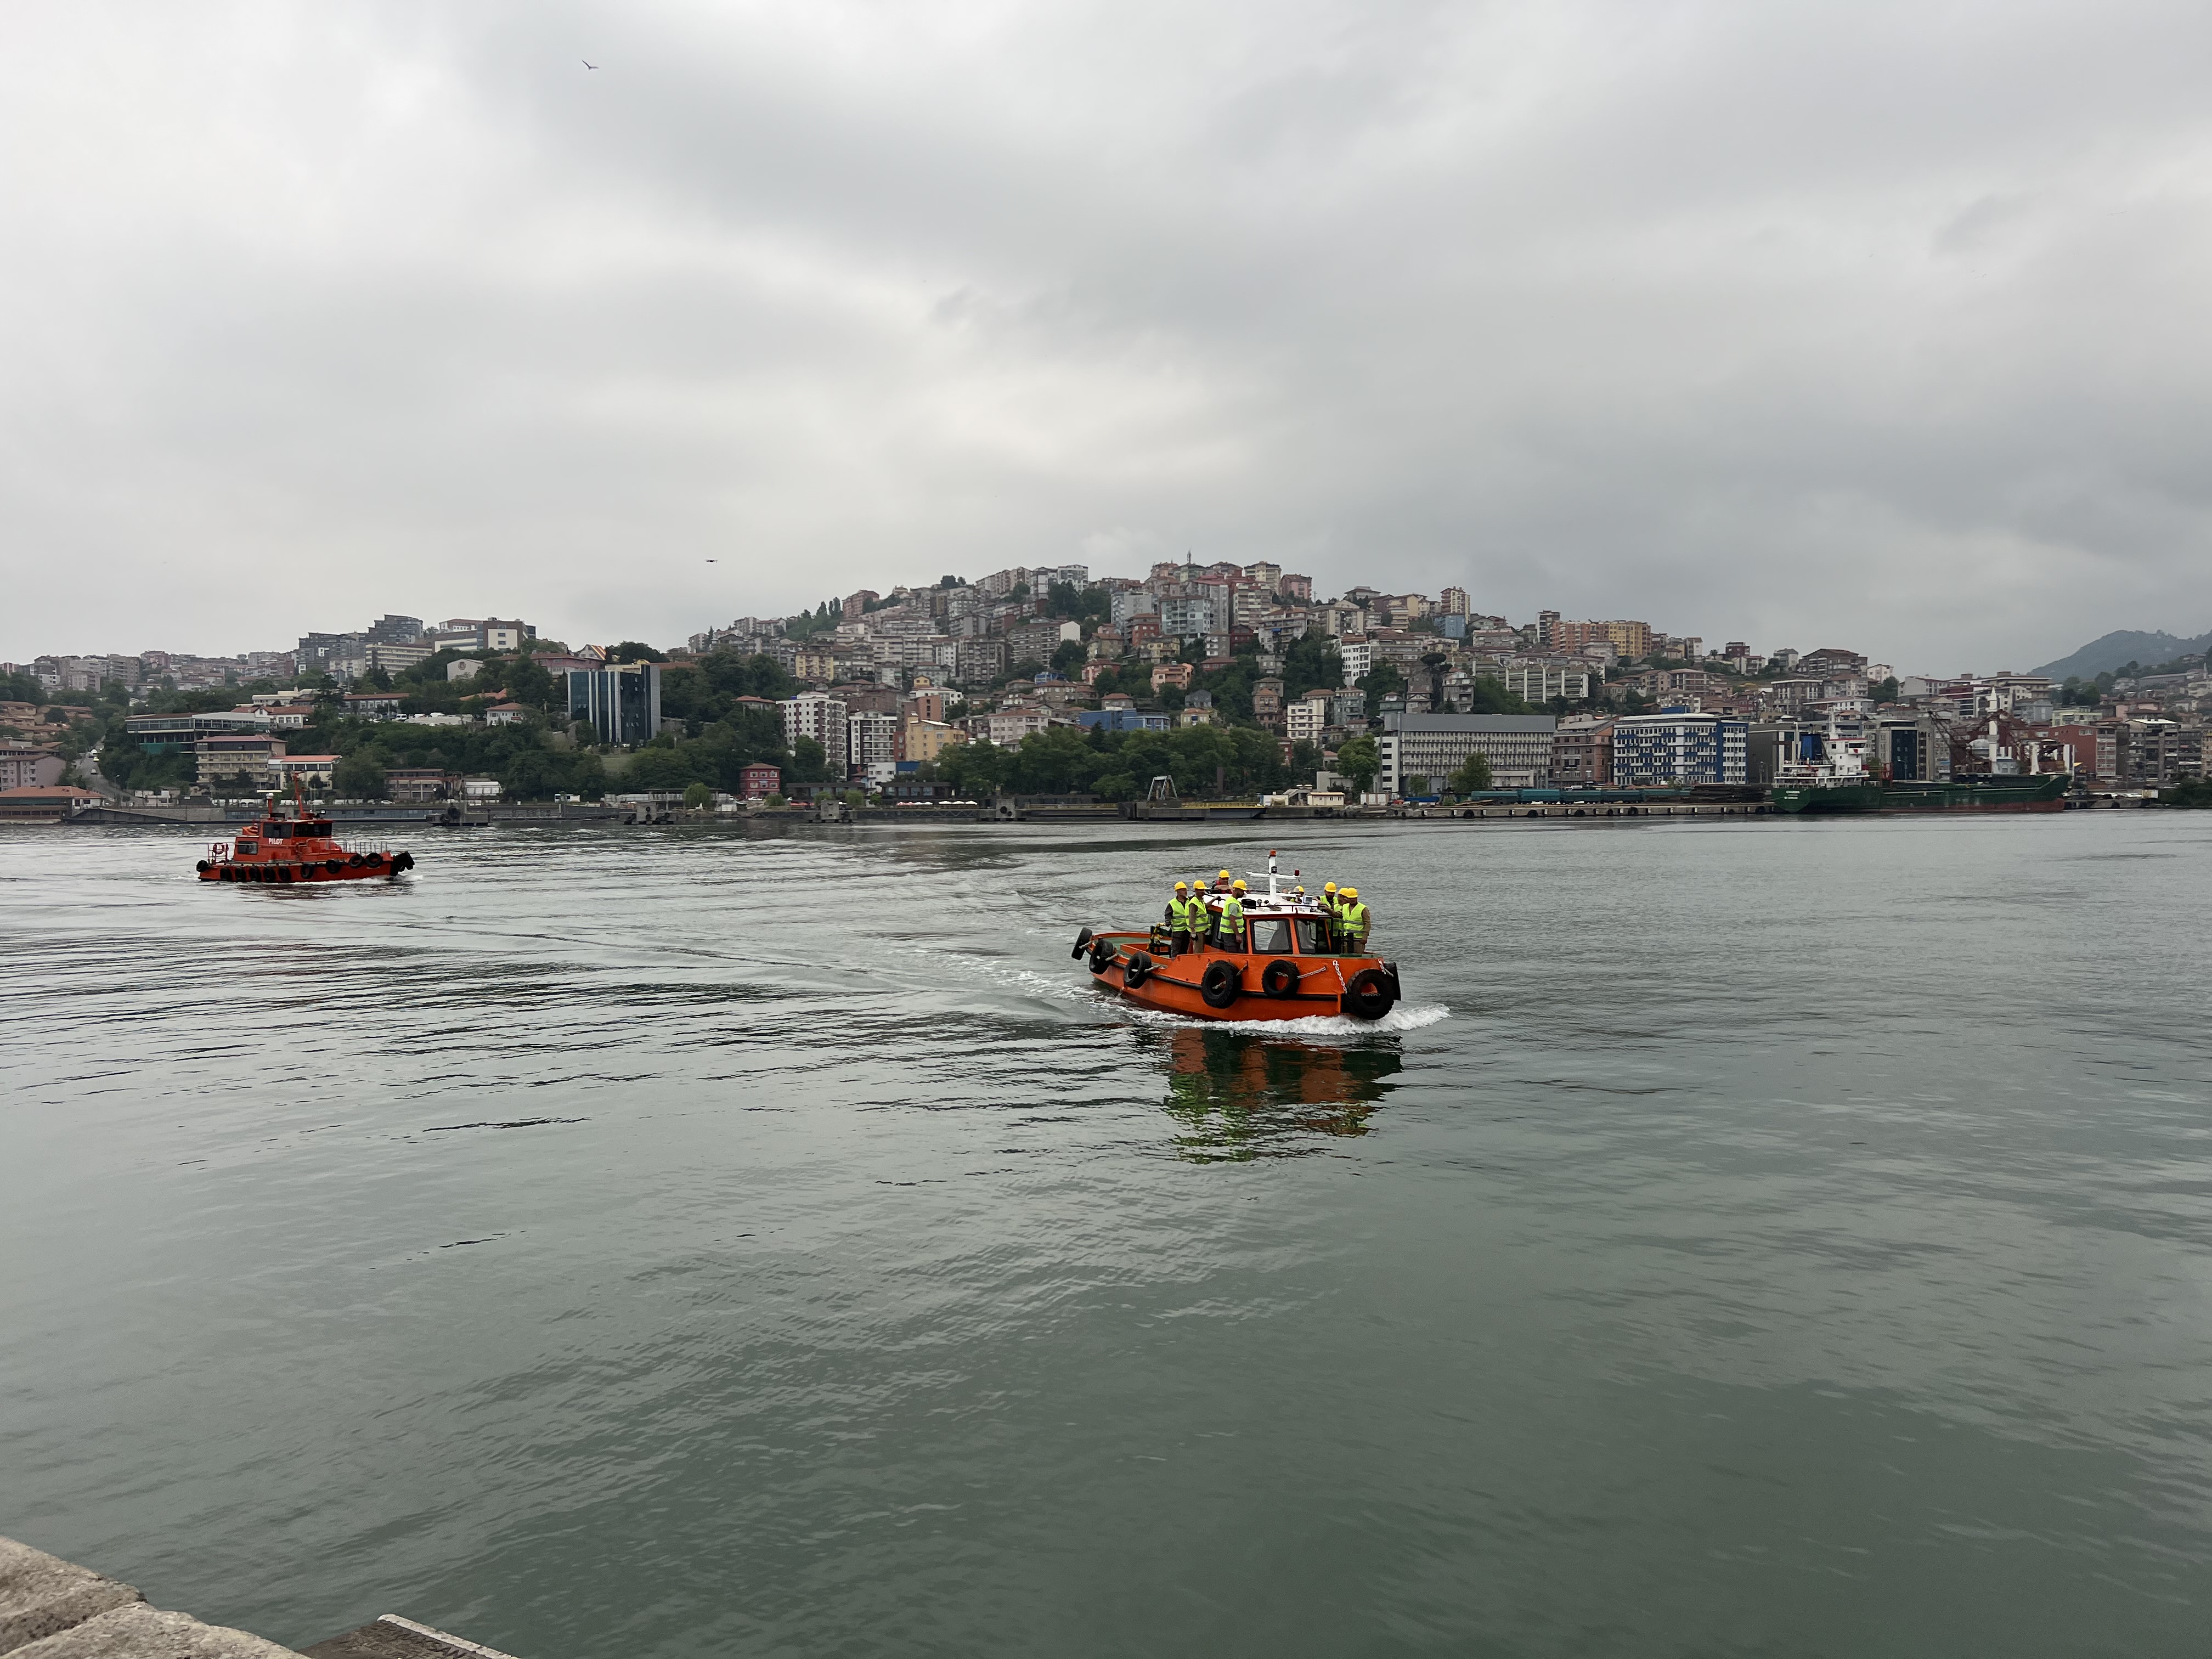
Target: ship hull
2044,793
1837,797
1172,984
305,872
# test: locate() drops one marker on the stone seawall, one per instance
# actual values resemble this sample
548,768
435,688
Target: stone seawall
51,1608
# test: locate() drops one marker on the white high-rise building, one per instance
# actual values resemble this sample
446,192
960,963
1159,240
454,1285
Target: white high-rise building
871,744
818,715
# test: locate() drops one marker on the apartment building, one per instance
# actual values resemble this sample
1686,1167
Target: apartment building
1582,752
825,719
871,744
1541,682
1680,748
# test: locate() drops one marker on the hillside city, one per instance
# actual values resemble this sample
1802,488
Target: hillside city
1234,681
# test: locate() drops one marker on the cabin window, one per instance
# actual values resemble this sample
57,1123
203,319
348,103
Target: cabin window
249,846
1271,934
1310,936
277,831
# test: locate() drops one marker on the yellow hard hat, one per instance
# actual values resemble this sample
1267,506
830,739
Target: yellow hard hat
1329,887
1235,886
1223,876
1182,887
1300,891
1351,893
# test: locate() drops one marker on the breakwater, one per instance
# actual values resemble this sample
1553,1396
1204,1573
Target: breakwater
51,1608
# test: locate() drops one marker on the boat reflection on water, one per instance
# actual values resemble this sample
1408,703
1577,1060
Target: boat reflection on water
1240,1096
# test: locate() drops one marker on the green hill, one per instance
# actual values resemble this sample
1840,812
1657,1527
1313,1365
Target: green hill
2117,650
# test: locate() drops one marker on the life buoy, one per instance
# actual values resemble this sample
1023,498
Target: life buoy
1081,939
1223,983
1137,969
1369,994
1281,978
1101,955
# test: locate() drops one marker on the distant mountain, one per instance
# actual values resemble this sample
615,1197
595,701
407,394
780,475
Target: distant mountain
2118,650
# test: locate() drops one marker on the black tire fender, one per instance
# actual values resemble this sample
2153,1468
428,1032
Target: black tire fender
1101,955
1137,969
1222,984
353,861
334,864
203,866
1369,995
1281,979
1081,939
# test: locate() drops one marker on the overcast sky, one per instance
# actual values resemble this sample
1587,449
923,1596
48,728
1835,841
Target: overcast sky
1867,324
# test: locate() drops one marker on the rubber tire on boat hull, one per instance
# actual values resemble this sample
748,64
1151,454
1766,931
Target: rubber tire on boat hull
1081,939
1137,969
1221,984
1280,980
1371,995
1102,956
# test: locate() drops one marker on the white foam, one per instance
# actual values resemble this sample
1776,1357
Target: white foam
1312,1025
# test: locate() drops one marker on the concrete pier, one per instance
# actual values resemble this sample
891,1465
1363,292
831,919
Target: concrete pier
51,1608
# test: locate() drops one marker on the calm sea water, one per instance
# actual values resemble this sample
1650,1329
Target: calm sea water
1751,1238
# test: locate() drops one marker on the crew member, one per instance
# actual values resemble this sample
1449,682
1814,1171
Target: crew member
1200,913
1178,919
1232,918
1221,882
1330,918
1355,921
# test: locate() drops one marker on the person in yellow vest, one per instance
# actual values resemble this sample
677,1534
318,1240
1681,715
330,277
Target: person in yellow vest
1232,918
1355,921
1200,914
1331,920
1179,918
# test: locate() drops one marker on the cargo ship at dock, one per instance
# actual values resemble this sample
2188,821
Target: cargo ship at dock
1831,773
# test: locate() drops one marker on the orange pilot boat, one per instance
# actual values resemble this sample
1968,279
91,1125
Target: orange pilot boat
1285,966
297,849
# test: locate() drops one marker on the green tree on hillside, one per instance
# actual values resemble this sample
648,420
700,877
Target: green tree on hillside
358,777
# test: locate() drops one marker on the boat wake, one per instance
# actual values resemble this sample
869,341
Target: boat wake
1313,1025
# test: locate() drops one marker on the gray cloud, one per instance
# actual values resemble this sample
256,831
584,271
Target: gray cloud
1877,325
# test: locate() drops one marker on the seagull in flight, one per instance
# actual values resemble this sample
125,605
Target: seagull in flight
587,63
714,562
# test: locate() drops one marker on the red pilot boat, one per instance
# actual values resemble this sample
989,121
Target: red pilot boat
1284,968
280,850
